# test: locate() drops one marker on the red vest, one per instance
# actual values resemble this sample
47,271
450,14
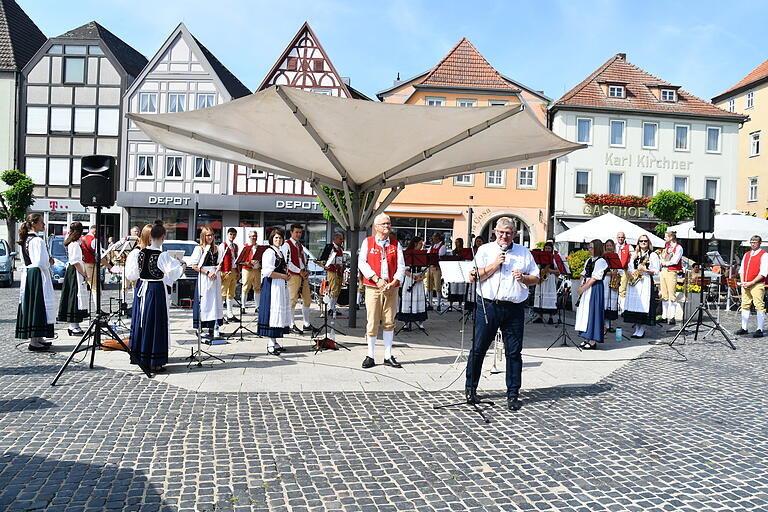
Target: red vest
752,265
246,257
89,255
374,259
296,253
435,249
229,257
679,265
624,255
339,254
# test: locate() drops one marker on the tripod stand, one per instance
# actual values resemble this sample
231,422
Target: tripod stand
327,342
99,325
241,327
198,355
564,335
702,309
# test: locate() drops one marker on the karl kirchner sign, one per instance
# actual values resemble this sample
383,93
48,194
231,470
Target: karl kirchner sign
647,162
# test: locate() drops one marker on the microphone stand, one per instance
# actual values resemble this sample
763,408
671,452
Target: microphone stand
200,355
476,403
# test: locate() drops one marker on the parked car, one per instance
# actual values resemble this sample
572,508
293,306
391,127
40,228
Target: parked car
6,264
60,259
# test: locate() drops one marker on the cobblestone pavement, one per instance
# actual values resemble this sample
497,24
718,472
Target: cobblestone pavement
673,431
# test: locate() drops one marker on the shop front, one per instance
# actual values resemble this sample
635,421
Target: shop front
60,213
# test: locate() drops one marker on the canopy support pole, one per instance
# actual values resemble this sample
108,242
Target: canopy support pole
354,248
393,193
338,215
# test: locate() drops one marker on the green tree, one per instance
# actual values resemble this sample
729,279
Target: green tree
15,201
671,208
332,194
577,260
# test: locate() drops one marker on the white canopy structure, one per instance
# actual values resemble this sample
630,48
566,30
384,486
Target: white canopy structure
728,226
604,227
356,147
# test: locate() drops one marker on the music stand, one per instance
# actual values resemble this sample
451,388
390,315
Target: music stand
541,257
239,262
565,271
449,258
614,263
414,259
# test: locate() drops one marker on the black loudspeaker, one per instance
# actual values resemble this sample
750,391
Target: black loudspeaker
704,219
98,181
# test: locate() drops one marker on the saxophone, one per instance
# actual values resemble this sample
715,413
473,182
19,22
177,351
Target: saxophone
544,273
636,275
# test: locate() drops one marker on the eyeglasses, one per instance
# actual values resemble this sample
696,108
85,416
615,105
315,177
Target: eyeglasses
384,224
504,233
642,241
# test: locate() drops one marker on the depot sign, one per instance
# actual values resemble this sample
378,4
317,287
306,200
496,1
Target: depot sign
169,200
296,205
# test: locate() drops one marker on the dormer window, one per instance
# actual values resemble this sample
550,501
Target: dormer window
668,95
615,91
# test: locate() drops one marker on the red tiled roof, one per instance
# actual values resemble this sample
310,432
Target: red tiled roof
638,94
759,73
465,67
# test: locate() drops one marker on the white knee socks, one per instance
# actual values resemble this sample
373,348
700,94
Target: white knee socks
271,343
745,319
760,319
389,338
372,347
664,309
305,314
672,306
257,296
229,308
640,330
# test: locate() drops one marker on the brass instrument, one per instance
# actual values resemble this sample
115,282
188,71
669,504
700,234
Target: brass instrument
545,273
665,257
636,275
615,281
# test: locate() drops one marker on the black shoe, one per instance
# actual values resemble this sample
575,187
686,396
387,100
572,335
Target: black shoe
758,334
309,328
233,319
73,332
471,396
741,332
514,404
663,321
550,322
368,362
392,362
538,321
273,351
37,349
672,321
46,343
296,330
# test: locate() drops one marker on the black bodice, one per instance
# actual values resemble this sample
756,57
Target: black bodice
148,268
210,259
281,266
25,249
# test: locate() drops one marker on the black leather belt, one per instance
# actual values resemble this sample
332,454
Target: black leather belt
501,302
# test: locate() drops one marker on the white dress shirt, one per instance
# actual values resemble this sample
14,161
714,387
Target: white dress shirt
501,285
367,271
286,250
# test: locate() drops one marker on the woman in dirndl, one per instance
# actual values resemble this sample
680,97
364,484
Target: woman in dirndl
208,308
132,270
275,314
611,283
545,297
37,309
413,301
73,306
150,333
589,315
640,303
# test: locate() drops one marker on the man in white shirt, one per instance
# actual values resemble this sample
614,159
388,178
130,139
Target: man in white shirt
434,275
505,271
294,254
382,264
754,269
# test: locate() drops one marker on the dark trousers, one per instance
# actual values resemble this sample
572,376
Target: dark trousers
509,318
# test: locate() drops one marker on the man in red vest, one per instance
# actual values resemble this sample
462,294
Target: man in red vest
434,275
88,247
623,249
294,254
671,264
251,270
382,264
229,272
754,269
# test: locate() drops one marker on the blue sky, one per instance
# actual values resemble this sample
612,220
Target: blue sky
704,46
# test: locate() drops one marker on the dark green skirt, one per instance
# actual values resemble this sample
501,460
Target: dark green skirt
69,307
31,320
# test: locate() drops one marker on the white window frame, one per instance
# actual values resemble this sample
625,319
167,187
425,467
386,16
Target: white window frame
576,182
497,103
62,115
655,136
40,117
466,102
108,122
434,101
149,96
85,120
687,148
687,180
173,159
207,96
621,182
642,178
589,136
613,89
64,70
717,193
719,140
623,133
498,173
34,166
323,91
753,184
464,180
732,105
59,170
202,163
754,144
256,173
671,99
145,159
533,170
177,96
749,100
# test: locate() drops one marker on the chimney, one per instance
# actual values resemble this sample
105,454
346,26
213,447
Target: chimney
397,80
622,56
